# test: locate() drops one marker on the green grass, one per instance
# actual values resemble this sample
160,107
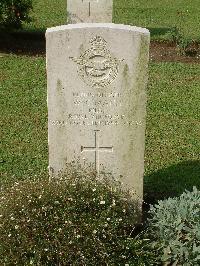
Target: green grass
158,16
47,13
172,161
24,116
173,129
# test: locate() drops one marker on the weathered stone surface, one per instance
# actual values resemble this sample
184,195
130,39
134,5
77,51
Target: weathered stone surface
97,74
80,11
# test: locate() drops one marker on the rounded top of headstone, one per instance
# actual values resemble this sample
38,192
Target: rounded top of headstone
99,25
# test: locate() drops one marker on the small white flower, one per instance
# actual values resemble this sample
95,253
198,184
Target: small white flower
40,197
113,203
102,202
94,232
46,249
16,227
120,219
9,235
12,218
59,230
108,219
70,199
78,236
94,189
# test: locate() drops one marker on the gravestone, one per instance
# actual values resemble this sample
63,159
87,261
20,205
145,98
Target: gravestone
80,11
97,74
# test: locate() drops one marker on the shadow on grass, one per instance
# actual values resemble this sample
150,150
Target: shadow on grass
155,32
171,181
23,42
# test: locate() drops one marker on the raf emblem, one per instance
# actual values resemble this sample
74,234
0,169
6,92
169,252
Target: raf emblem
97,66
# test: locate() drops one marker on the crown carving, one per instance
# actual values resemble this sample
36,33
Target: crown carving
98,42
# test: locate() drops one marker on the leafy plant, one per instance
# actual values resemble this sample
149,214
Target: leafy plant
75,220
175,223
14,12
181,41
179,37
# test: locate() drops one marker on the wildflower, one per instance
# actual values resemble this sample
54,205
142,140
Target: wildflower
16,227
94,232
40,197
12,218
120,219
46,249
102,202
108,219
9,235
70,199
94,189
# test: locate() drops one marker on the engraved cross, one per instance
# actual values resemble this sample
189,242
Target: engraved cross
97,149
89,8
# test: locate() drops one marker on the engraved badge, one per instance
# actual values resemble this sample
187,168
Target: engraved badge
97,66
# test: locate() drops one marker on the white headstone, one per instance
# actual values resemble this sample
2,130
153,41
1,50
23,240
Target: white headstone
80,11
97,74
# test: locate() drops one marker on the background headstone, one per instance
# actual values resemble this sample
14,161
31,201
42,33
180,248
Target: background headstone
80,11
97,74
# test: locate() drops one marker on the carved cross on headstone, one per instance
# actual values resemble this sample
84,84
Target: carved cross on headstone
96,149
89,11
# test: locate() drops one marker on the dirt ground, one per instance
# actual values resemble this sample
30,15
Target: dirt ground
33,44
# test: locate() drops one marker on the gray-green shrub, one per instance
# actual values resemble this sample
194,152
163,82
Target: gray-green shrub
81,220
14,12
175,224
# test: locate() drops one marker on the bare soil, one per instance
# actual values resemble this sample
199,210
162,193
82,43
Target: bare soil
169,52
